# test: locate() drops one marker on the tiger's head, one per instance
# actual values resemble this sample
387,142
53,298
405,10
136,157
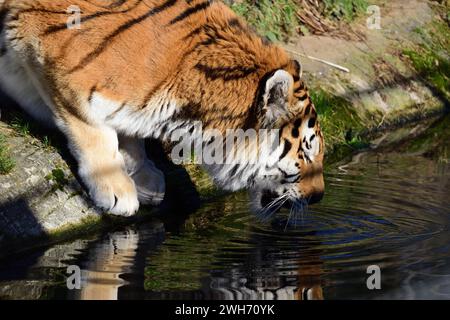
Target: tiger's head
238,81
292,173
289,166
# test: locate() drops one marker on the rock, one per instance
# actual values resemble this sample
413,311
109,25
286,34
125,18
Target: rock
40,195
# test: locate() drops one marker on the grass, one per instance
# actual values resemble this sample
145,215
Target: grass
432,67
6,162
275,20
338,119
21,126
431,59
340,124
58,177
346,10
25,128
278,19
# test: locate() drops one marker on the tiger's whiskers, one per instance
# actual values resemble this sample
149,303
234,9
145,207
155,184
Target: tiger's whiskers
289,217
297,209
300,207
265,213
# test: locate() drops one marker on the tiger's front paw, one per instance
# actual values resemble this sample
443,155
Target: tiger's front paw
114,192
150,184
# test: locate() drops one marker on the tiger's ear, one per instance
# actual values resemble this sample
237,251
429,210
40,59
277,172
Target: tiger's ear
275,97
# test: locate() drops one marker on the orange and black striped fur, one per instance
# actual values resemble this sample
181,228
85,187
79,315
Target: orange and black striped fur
144,68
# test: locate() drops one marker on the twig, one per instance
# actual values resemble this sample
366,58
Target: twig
334,65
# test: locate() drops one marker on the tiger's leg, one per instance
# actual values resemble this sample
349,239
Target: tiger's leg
148,179
101,166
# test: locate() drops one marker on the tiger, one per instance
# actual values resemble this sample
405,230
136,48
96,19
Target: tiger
136,69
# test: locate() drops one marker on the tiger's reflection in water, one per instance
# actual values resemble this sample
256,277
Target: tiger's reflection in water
101,277
117,267
214,254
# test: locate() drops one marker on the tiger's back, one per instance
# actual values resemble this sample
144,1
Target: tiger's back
132,51
110,51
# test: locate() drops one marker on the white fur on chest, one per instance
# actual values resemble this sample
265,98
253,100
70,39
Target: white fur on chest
154,120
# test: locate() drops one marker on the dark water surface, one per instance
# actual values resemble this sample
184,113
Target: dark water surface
389,208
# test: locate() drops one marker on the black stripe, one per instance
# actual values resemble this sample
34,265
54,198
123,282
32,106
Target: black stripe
91,93
312,122
234,170
226,73
251,178
162,128
67,103
194,32
17,38
308,109
106,41
32,10
152,92
190,11
303,97
286,149
114,4
307,158
287,176
204,43
235,23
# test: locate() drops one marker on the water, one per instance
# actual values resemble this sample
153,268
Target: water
389,208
